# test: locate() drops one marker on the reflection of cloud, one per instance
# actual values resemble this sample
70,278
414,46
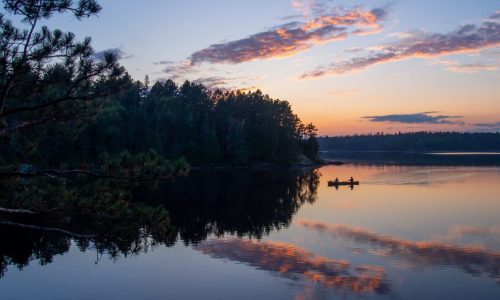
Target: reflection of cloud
291,38
459,231
465,39
291,261
472,260
418,118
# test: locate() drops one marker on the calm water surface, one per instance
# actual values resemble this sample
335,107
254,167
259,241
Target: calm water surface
407,232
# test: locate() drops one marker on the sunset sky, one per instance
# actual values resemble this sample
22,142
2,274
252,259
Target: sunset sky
347,66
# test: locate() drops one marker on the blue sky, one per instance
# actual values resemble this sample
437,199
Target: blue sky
333,75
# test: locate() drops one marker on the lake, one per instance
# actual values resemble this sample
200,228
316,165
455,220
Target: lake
410,230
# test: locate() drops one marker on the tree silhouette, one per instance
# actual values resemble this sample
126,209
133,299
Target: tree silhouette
45,75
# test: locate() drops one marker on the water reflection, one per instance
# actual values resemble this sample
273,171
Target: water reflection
473,260
413,175
241,203
293,262
95,218
22,245
92,214
460,231
236,208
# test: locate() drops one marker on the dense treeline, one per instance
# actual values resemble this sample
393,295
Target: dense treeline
416,141
203,126
173,121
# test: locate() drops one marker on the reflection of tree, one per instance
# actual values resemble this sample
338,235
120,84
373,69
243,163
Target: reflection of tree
94,214
293,262
20,246
471,259
244,203
105,215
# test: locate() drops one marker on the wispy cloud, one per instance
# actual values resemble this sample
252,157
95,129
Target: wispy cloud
163,62
418,118
227,83
354,50
487,125
294,37
473,68
290,17
466,38
117,52
183,70
176,70
305,7
215,82
455,66
315,8
403,35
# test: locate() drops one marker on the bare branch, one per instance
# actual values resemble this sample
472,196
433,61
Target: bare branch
51,229
17,211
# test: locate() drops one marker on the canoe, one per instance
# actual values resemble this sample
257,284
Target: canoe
332,183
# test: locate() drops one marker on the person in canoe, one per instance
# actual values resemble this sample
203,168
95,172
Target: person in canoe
351,180
336,181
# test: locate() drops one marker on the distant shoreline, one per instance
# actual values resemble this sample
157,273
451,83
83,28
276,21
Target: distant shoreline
450,152
415,142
